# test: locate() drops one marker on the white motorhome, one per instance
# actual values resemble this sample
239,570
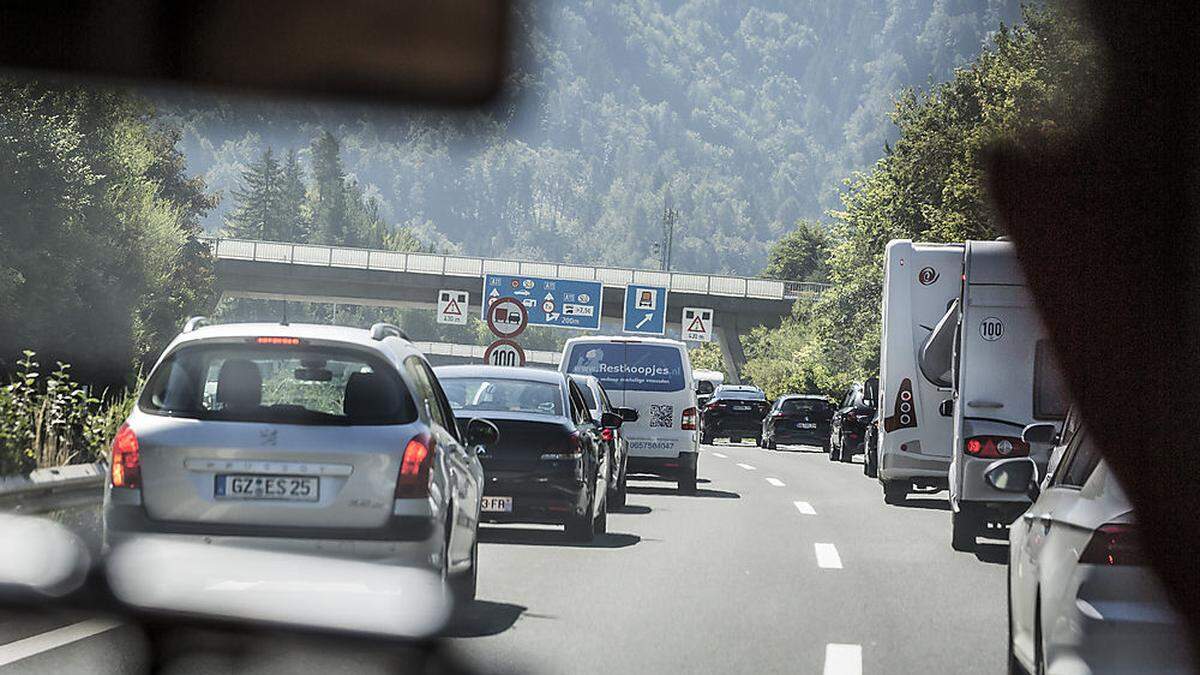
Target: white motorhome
1003,376
920,282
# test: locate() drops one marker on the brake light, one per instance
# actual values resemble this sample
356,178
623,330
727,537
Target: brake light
606,434
996,447
413,480
573,451
270,340
776,415
1113,544
126,464
714,405
688,422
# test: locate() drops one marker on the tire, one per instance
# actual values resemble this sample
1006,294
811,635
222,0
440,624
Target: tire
871,464
846,455
600,523
758,440
771,444
581,527
835,448
706,438
465,584
964,527
617,499
894,492
686,484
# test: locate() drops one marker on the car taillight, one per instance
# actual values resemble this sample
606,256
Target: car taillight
776,415
573,450
606,434
996,447
1113,544
126,465
413,480
688,422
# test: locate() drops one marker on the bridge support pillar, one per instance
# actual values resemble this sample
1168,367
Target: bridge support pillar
729,338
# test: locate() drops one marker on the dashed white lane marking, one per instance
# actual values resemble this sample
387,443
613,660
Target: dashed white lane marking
805,508
827,556
53,639
775,481
746,467
843,659
717,454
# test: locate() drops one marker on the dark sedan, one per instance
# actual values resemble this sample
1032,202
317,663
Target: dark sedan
734,412
848,428
799,419
550,465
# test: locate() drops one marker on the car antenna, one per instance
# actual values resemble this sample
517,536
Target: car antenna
283,320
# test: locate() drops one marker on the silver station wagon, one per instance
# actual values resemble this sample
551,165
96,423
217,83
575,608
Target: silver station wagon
324,440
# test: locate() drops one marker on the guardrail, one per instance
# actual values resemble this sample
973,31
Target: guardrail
54,488
465,266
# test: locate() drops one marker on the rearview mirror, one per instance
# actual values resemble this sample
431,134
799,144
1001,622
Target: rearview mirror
628,414
481,432
611,420
1042,432
1017,475
946,408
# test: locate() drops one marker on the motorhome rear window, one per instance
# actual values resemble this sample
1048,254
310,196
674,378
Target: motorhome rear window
1050,397
629,366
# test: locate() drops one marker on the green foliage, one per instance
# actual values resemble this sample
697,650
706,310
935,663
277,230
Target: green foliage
801,255
1037,76
707,356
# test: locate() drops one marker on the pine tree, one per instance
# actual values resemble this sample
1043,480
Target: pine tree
330,216
292,201
257,212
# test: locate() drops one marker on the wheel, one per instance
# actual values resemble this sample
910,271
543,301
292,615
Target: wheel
771,444
871,464
835,448
616,500
846,455
706,438
963,529
465,584
894,492
600,523
758,440
686,483
581,527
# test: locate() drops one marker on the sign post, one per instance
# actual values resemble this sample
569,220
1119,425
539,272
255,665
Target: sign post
452,307
645,310
563,303
697,325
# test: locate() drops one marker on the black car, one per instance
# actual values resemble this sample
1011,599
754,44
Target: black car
613,439
871,453
550,465
798,418
848,428
734,412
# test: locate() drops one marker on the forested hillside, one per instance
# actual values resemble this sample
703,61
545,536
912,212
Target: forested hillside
744,116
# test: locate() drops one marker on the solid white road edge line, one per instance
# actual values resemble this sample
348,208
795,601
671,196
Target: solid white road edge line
717,454
53,639
843,659
827,556
805,508
776,482
746,467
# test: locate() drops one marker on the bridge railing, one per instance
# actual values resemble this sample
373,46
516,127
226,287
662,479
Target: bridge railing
467,266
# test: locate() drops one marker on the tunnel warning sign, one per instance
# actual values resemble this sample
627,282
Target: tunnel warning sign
452,307
697,324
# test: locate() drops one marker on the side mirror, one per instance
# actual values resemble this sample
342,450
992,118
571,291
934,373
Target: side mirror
481,432
871,391
1045,433
946,408
628,414
1017,475
611,420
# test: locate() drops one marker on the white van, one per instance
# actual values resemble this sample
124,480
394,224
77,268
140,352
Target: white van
1003,377
654,377
920,281
707,382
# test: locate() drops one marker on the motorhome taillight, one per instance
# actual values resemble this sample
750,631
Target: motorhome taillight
688,421
413,480
1113,544
996,447
126,469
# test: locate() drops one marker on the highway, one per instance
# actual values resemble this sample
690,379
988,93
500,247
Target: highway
782,562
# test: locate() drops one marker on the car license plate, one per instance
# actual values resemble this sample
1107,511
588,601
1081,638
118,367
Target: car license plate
806,425
277,488
741,408
497,504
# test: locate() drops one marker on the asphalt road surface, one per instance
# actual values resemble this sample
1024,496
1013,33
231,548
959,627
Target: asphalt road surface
782,562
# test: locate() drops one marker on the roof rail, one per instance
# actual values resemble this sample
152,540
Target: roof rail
194,323
381,331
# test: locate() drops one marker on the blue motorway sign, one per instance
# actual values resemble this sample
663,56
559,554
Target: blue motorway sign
565,303
646,310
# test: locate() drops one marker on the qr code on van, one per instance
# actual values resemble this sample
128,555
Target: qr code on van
662,415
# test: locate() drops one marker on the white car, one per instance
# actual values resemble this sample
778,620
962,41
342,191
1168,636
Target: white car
319,440
1082,598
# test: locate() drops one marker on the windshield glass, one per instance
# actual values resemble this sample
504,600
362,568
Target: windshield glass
278,384
742,394
469,394
803,405
629,366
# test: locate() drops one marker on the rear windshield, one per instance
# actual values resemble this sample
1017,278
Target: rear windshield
742,394
804,405
283,384
629,366
469,394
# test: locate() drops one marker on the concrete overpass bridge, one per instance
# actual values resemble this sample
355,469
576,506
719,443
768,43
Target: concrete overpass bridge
314,273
